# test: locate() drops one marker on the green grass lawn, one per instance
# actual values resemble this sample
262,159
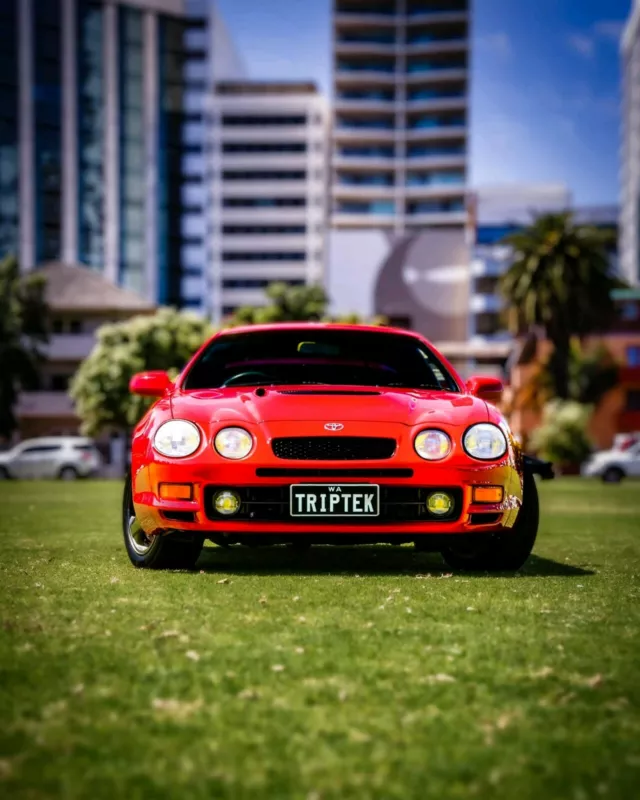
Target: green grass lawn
337,673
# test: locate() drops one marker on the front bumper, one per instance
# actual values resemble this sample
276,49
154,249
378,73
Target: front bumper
157,515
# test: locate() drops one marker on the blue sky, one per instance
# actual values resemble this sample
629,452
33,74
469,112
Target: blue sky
545,91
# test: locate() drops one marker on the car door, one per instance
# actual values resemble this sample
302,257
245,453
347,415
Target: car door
35,461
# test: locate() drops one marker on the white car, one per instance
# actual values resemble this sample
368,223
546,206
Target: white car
613,465
64,457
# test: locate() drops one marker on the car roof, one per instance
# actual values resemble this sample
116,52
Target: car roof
56,440
328,326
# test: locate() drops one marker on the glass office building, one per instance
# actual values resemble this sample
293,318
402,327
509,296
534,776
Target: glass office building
103,138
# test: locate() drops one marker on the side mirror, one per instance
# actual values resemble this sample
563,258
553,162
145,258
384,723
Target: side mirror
486,388
150,384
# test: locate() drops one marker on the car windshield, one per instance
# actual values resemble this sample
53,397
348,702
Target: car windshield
326,357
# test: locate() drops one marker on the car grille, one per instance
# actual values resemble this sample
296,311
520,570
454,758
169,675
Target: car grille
333,448
334,472
397,504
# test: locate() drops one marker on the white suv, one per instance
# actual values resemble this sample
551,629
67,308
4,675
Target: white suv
614,465
65,457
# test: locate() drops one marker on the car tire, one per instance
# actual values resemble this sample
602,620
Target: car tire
612,475
165,551
503,552
68,474
4,474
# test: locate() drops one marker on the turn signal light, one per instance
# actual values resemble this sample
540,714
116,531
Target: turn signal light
176,491
488,494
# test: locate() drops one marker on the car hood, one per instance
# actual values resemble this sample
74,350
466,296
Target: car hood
348,404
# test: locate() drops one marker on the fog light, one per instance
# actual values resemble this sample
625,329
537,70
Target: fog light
439,503
488,494
176,491
227,503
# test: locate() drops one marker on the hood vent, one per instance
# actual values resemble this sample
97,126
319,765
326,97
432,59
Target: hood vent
341,392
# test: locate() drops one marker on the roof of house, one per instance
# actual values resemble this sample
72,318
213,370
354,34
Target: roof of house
72,287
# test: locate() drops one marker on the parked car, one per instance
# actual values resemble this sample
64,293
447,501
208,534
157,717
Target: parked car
308,434
614,465
64,457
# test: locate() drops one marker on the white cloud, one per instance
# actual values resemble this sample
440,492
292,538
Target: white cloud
497,43
582,44
609,29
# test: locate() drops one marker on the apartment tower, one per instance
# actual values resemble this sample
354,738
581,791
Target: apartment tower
269,150
399,144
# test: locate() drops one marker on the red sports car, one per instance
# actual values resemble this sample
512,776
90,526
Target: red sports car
331,434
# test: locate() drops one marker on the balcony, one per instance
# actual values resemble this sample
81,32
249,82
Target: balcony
453,45
357,18
359,134
258,161
44,404
364,104
257,216
439,133
263,243
440,16
265,188
342,219
436,218
434,189
268,271
362,192
374,48
69,346
485,303
456,103
436,75
263,133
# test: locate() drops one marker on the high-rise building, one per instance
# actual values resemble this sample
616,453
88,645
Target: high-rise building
268,175
102,137
400,113
630,167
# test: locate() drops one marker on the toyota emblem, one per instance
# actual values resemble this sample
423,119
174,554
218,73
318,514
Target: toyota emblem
333,426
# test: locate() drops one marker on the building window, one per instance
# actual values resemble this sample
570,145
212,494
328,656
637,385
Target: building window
266,121
263,202
90,70
48,119
264,147
261,256
633,356
264,175
486,285
59,383
633,400
9,204
487,323
263,230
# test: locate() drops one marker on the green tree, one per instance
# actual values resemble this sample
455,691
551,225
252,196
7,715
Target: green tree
100,388
288,304
559,281
562,437
23,329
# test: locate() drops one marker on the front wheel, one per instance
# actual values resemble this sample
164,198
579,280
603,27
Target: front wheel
502,552
165,551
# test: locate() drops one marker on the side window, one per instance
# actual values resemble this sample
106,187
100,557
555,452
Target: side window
42,448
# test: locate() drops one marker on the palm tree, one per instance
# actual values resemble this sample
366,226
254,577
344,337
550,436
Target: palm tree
559,281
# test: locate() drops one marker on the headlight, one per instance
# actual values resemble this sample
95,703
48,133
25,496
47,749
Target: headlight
177,438
485,441
432,445
233,443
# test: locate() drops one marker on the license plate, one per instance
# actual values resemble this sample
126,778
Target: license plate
339,500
